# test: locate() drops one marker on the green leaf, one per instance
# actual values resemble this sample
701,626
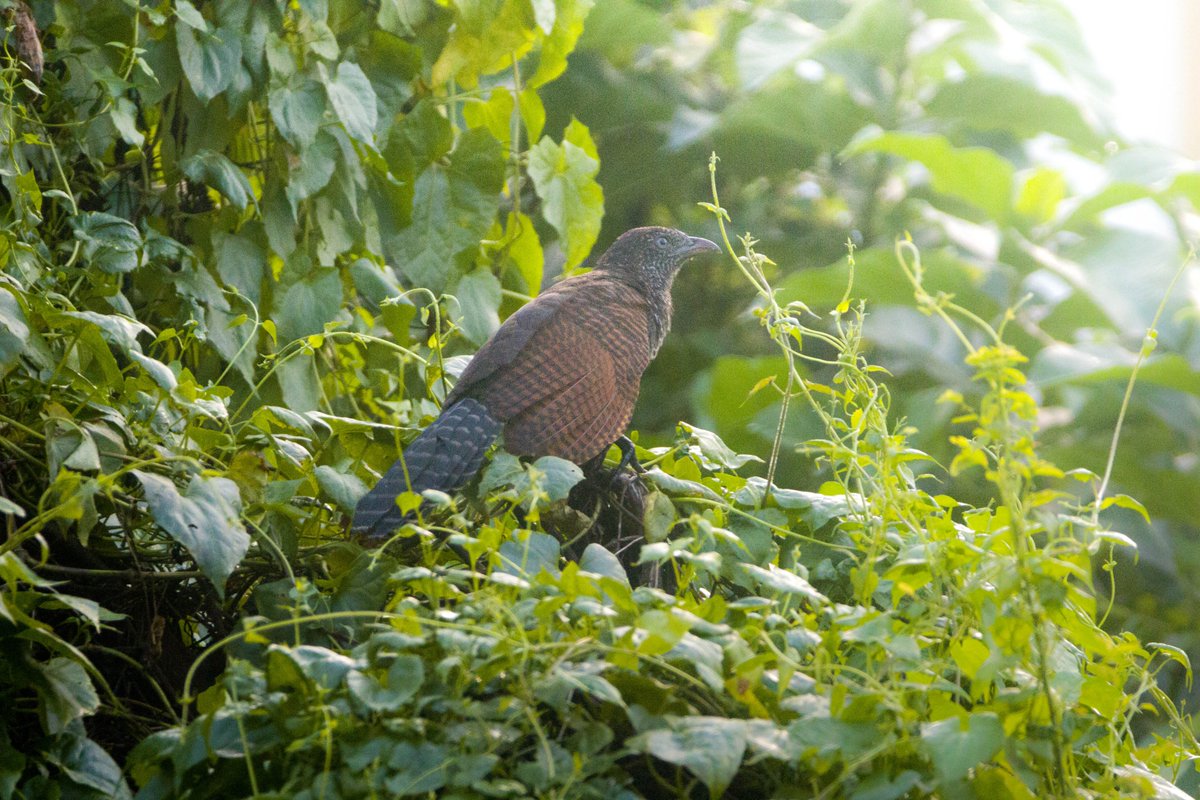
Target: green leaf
87,764
117,330
678,487
208,60
1125,501
403,678
421,769
110,242
1014,105
1173,653
1149,784
524,250
711,748
567,18
784,582
789,123
661,630
69,446
555,476
159,372
66,692
597,559
479,297
726,396
816,509
213,169
401,17
882,786
775,40
453,206
495,114
1061,364
974,174
308,304
295,666
9,507
189,16
297,108
955,751
241,263
484,38
1041,194
124,119
313,172
425,136
353,99
659,517
14,331
206,519
583,678
1138,239
28,198
345,489
528,553
565,179
714,453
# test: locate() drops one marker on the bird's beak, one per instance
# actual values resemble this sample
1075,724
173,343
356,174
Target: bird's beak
696,246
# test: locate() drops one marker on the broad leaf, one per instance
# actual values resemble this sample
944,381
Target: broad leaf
565,179
215,170
209,60
353,100
452,209
974,174
955,751
478,296
66,693
308,304
14,331
297,108
205,519
112,243
711,748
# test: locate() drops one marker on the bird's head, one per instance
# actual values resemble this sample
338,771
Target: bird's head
648,258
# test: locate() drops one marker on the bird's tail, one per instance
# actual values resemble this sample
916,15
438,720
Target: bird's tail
443,457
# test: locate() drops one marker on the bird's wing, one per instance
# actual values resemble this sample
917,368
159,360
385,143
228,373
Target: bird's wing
581,409
508,343
563,372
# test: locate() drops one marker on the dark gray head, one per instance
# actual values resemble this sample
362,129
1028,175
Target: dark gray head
647,259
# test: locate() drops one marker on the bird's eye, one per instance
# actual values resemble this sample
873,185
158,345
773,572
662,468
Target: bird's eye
662,242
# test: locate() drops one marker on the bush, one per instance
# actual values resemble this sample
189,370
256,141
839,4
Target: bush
243,248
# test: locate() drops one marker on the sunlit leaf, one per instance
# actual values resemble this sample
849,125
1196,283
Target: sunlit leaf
565,178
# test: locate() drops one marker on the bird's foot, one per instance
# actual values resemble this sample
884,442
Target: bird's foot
628,455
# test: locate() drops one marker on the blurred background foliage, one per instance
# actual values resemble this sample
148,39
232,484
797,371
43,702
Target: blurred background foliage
980,129
242,244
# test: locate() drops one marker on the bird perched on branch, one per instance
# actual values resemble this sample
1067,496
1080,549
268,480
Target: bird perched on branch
560,377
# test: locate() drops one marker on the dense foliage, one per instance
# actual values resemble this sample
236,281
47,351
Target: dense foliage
976,127
244,246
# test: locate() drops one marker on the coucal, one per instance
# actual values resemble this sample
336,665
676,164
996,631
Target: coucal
560,377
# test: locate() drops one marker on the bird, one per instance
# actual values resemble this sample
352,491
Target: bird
560,377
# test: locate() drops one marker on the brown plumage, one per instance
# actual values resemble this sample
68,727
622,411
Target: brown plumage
560,377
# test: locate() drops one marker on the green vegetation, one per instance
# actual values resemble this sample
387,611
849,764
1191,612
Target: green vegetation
243,246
